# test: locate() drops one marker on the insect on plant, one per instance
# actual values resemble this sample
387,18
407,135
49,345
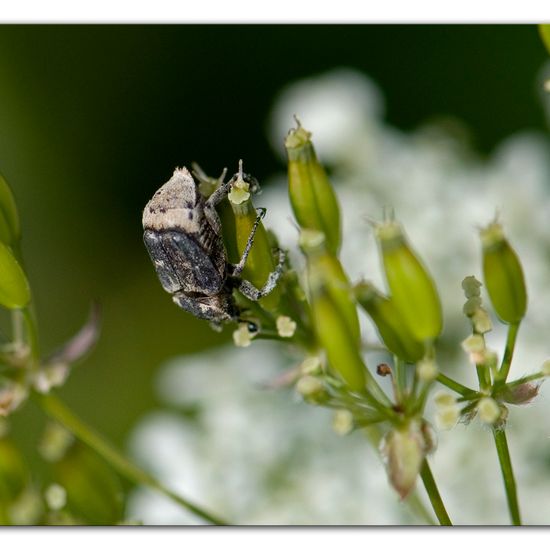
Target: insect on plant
183,235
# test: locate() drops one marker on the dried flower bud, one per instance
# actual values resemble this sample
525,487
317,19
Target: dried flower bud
312,197
411,286
521,394
342,422
393,332
503,275
10,229
489,410
15,292
404,450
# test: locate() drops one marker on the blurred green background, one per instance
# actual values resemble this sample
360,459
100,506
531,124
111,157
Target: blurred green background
94,118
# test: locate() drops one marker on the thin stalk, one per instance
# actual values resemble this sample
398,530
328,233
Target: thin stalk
455,386
507,475
508,353
433,494
62,414
29,319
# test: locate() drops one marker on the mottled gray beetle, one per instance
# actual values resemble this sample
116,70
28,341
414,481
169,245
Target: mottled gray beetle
182,233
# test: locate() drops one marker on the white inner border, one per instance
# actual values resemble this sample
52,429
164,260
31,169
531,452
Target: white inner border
281,11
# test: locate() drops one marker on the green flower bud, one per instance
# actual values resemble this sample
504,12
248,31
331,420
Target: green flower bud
411,287
393,332
503,275
404,450
338,341
312,197
10,229
14,288
324,269
260,262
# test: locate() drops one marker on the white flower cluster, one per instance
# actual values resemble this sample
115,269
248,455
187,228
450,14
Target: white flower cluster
260,457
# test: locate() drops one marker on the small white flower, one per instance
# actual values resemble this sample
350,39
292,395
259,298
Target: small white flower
286,327
242,336
447,416
342,422
310,365
427,370
56,496
488,409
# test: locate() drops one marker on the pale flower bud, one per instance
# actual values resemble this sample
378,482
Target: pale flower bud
311,365
286,327
311,389
56,496
488,409
482,321
427,370
471,287
545,369
342,422
446,417
242,337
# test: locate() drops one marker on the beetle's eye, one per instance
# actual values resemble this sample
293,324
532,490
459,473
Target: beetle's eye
253,328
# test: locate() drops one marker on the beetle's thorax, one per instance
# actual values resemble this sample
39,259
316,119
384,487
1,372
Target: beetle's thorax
178,204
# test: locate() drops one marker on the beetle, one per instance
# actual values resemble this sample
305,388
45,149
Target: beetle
182,234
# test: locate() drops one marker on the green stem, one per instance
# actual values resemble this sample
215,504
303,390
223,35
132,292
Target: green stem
62,414
507,474
508,353
29,319
455,386
433,494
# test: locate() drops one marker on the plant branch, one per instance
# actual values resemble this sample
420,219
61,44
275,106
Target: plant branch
507,474
508,353
57,410
433,494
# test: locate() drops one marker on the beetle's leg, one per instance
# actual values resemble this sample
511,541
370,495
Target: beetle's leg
210,205
252,293
237,269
